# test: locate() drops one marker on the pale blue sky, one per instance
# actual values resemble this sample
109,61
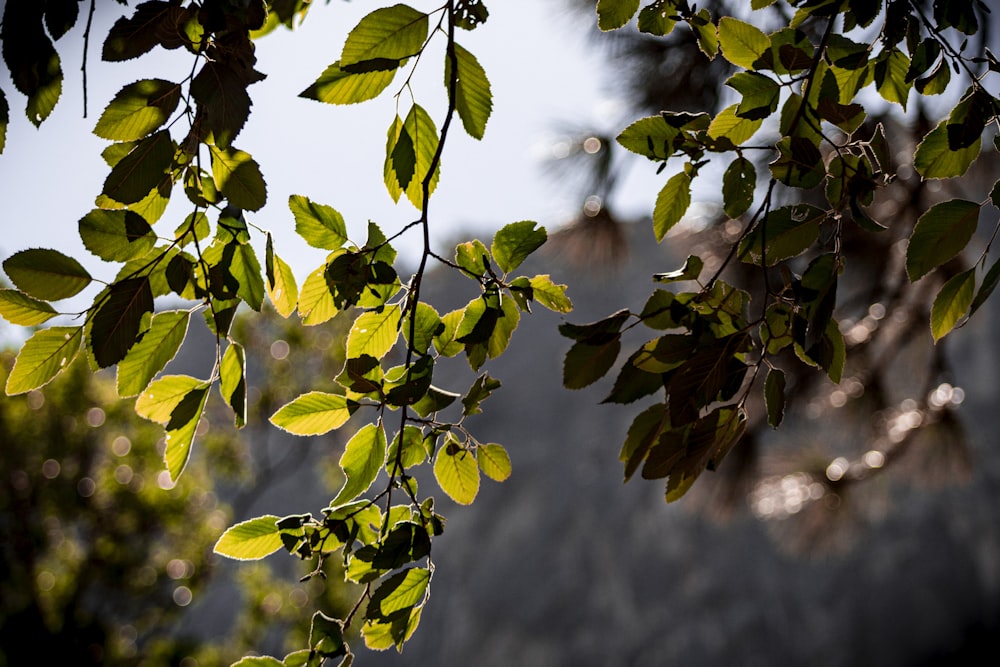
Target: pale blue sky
535,55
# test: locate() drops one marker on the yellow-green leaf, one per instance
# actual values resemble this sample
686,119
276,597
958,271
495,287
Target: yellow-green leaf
952,303
314,413
671,204
494,461
156,348
473,96
42,357
250,540
940,234
46,274
316,304
374,333
457,473
18,308
361,462
742,44
613,14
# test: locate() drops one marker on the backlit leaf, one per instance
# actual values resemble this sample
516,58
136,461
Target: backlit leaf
671,204
940,234
738,184
473,96
361,462
457,473
116,323
952,303
238,177
46,274
321,226
142,170
388,33
550,295
138,109
233,382
316,303
116,236
250,540
374,333
613,14
152,353
314,413
513,243
494,461
42,357
419,130
281,286
335,86
935,159
18,308
741,43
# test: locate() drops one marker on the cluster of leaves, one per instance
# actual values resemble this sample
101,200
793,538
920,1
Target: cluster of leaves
168,134
802,95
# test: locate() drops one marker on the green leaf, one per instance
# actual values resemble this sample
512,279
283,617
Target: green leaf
935,159
940,234
704,30
314,413
481,389
116,236
506,324
494,461
738,185
245,268
728,125
690,271
336,86
550,295
18,308
142,170
138,109
233,382
650,136
321,226
31,58
473,256
989,284
613,14
260,661
586,363
154,350
281,286
473,96
237,176
952,303
250,540
783,233
445,342
426,325
741,43
457,473
774,396
657,18
760,94
316,304
890,76
46,274
42,357
401,591
417,137
671,204
116,323
644,431
513,243
389,33
224,105
177,402
799,164
361,462
374,332
380,635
